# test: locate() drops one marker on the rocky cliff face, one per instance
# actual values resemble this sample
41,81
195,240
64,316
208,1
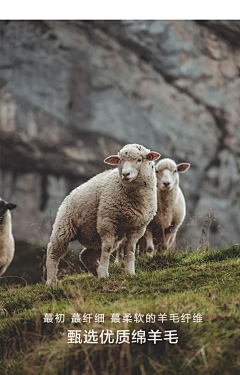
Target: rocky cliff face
74,92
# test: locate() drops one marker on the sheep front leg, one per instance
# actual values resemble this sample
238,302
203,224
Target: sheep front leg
132,240
107,248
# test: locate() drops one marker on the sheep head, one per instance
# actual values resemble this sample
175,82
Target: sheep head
134,161
4,206
167,173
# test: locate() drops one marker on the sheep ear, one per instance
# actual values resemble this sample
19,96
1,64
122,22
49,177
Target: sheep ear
11,206
153,156
113,159
183,167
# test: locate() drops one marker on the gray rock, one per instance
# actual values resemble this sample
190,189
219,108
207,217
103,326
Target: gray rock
74,92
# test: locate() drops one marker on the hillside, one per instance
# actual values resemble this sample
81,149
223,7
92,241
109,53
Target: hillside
204,285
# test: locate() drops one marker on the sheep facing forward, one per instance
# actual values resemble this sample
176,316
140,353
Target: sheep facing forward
7,246
115,205
171,207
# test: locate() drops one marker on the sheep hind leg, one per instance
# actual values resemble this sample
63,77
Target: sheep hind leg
3,269
171,239
108,246
130,259
149,243
119,254
55,251
90,259
170,236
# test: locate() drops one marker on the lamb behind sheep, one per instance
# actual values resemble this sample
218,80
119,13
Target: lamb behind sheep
171,206
112,206
7,247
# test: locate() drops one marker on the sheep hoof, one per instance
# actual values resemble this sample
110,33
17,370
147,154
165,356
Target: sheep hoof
51,282
102,272
149,252
129,271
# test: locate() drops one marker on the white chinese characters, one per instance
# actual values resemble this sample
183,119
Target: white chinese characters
122,336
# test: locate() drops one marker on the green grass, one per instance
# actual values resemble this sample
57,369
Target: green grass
205,282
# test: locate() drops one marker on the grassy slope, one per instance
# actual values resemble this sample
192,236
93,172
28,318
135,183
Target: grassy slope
206,282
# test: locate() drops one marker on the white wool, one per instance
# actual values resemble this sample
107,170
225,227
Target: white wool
112,207
171,207
7,247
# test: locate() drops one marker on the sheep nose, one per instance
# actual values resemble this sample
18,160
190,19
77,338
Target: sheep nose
126,174
166,183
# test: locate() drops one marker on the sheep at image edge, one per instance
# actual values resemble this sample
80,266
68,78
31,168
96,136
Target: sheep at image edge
112,207
171,207
7,246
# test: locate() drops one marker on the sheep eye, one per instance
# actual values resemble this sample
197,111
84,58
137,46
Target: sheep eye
175,171
156,171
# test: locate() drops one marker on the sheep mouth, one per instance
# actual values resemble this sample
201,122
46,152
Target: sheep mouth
166,188
127,178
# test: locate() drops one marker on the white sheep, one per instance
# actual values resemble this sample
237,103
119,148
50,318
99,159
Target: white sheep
7,246
112,206
171,207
